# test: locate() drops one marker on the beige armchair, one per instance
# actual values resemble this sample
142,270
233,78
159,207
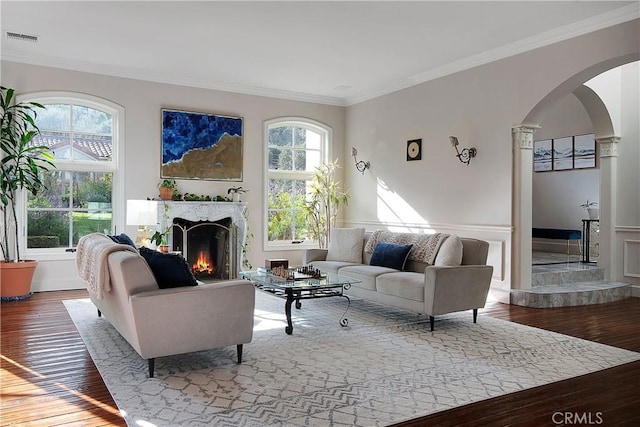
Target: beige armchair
163,322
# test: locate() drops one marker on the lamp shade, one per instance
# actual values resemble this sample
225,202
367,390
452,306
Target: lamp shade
142,212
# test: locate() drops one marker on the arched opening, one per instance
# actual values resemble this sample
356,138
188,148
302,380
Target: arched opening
607,137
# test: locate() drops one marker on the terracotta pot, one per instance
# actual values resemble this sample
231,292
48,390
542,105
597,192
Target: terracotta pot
15,279
166,193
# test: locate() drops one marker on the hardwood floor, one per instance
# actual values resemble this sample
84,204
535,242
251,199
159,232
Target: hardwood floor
47,377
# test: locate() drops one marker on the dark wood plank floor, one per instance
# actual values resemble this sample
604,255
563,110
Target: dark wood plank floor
47,377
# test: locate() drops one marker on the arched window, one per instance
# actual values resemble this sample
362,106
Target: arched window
295,147
82,133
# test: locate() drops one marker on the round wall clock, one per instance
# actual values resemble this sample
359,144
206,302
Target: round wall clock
414,149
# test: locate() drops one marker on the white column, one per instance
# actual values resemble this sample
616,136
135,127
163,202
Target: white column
522,197
608,204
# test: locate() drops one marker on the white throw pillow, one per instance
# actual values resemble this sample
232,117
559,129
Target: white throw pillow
346,244
450,253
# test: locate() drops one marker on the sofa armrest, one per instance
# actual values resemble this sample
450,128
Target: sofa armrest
193,318
310,255
450,289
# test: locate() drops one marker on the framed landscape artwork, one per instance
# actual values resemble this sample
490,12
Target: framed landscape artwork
572,152
201,146
542,155
584,151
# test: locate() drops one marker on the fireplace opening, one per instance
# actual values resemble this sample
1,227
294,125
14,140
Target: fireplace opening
206,245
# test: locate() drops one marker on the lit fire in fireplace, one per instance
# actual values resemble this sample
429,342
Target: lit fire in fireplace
203,264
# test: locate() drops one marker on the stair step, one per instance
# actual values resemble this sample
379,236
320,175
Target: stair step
571,294
540,278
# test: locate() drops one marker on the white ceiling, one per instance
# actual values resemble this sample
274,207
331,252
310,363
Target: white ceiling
333,52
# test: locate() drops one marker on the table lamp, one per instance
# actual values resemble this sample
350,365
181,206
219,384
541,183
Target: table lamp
142,213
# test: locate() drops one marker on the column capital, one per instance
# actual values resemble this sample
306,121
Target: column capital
523,136
608,146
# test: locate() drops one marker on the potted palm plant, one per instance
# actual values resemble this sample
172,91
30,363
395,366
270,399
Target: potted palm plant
21,168
325,198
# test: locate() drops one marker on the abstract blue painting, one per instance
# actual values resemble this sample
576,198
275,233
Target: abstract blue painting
201,146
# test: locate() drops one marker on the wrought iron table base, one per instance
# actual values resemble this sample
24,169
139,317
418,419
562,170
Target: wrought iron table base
297,295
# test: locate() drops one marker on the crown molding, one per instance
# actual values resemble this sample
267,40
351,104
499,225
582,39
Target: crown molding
605,20
150,76
609,19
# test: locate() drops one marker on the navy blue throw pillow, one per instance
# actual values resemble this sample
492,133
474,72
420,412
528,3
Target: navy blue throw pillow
170,270
123,239
390,255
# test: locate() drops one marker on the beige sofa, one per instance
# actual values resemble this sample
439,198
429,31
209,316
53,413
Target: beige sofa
163,322
421,288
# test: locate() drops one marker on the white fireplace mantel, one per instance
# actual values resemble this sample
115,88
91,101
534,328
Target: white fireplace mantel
206,211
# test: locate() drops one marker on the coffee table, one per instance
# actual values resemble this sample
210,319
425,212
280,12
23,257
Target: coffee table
328,285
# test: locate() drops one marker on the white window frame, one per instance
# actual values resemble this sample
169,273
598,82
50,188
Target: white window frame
326,134
115,166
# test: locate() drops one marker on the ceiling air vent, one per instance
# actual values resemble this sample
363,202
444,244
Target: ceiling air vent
23,37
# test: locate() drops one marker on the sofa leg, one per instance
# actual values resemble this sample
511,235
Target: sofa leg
99,313
432,320
152,365
475,315
239,353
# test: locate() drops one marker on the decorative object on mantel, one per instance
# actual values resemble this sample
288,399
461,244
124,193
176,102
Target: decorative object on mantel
235,193
414,149
22,167
593,212
325,198
160,236
199,145
361,165
167,189
466,154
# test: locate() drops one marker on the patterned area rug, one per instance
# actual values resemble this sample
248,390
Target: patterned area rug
385,367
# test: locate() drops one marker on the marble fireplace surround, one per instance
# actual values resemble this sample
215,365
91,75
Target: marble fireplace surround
207,211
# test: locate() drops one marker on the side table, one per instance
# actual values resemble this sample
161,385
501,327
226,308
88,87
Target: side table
586,237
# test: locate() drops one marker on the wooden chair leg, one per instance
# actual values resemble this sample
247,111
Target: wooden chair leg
239,353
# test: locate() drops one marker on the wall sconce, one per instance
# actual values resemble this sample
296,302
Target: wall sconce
466,154
360,165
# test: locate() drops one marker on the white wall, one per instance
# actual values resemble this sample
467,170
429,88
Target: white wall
480,106
142,102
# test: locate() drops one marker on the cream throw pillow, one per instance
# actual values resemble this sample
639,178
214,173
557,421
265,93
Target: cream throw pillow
450,253
345,245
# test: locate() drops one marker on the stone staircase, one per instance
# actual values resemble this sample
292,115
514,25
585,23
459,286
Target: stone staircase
568,283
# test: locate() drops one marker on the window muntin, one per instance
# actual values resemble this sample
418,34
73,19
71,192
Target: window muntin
82,135
295,148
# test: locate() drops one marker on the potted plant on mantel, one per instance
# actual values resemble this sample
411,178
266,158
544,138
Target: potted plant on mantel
20,170
235,193
167,187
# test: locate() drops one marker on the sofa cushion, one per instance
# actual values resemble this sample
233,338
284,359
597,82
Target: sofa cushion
123,239
366,273
450,253
408,285
331,266
345,244
170,270
390,255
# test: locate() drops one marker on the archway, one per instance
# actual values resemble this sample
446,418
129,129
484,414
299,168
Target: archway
522,138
